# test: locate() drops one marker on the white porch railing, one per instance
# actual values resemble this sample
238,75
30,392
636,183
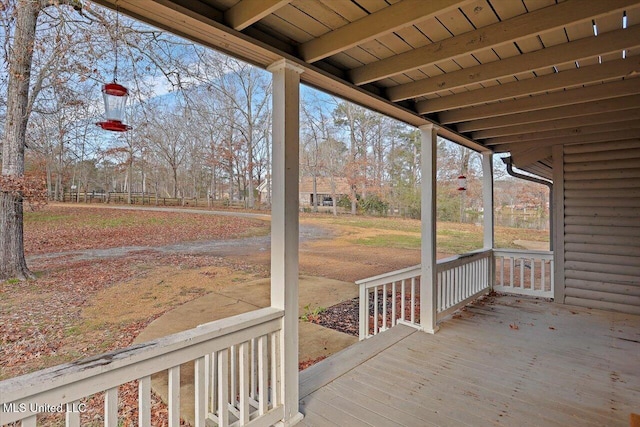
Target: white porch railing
461,279
392,298
237,378
388,299
524,272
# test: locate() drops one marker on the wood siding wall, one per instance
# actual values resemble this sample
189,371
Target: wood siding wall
602,225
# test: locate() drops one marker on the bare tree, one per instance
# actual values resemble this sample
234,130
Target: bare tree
19,102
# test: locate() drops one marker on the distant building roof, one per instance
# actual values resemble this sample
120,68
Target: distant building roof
323,185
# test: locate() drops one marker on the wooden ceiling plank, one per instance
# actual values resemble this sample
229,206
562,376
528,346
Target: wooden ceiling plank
302,20
248,12
372,6
553,38
360,54
394,43
345,59
590,94
610,70
610,22
526,157
568,110
412,36
479,14
583,131
399,15
579,30
564,123
537,4
529,44
455,22
608,137
521,26
486,56
433,30
507,9
555,55
375,48
286,29
505,51
347,10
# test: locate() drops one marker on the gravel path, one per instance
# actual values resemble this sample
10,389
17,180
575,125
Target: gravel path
226,247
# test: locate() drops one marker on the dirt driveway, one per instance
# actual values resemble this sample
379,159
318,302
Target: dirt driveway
156,259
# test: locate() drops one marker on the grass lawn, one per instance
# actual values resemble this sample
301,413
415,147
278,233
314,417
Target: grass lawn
82,306
452,238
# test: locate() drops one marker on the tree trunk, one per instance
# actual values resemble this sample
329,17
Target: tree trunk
315,194
12,260
354,200
334,200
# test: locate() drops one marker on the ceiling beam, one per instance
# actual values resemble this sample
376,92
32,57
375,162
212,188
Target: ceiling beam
386,20
535,103
588,47
609,137
521,26
248,12
565,123
526,157
564,112
579,76
582,131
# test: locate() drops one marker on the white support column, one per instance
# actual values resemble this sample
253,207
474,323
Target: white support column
284,225
487,205
558,224
428,279
487,198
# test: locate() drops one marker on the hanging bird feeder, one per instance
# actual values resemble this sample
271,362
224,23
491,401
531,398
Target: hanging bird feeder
115,98
115,95
462,183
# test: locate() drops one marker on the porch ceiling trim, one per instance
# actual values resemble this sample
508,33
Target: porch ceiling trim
475,66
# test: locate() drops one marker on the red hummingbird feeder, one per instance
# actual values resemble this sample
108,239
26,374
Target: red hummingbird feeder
115,99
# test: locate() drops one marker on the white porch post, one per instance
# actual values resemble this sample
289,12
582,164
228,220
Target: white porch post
487,198
284,225
428,279
487,205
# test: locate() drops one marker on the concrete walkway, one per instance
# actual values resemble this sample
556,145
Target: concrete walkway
241,297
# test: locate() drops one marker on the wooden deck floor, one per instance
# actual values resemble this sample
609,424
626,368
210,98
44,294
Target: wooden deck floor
505,361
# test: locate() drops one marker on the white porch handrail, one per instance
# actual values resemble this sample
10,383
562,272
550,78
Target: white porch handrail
511,275
245,390
462,279
403,285
393,298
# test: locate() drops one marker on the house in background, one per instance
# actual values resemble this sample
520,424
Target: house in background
555,84
326,188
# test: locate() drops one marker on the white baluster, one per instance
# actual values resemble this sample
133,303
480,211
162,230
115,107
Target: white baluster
223,388
72,419
144,401
384,307
174,396
393,304
263,379
111,407
244,377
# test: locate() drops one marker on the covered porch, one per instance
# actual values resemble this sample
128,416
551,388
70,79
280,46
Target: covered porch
497,77
504,360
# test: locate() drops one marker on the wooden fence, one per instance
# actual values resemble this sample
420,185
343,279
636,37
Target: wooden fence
151,200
